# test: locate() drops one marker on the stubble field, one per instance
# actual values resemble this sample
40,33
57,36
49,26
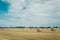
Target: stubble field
29,34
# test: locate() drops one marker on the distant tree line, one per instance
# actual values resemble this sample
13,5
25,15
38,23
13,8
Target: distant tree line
30,27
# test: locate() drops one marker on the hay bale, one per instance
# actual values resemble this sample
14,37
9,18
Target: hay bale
38,30
52,29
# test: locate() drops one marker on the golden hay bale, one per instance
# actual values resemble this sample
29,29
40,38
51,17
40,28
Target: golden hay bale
52,29
38,30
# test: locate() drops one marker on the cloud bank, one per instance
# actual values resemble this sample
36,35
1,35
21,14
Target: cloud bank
32,13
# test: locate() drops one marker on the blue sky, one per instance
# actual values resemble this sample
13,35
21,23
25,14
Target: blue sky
3,6
30,13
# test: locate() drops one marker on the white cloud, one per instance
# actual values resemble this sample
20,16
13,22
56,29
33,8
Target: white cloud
22,0
37,13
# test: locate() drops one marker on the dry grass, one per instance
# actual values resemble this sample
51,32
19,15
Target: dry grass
29,34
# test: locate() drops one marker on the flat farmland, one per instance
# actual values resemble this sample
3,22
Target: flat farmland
29,34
